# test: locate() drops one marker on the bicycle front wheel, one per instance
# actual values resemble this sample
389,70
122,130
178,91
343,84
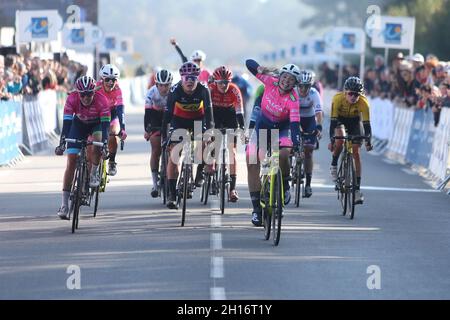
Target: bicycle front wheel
186,175
76,198
340,186
277,208
223,183
351,191
266,212
298,184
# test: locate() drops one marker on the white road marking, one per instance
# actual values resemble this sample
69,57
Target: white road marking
218,293
373,188
217,267
216,241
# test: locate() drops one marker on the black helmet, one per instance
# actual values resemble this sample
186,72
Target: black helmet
354,84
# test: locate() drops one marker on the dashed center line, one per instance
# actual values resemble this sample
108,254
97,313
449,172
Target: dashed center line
217,262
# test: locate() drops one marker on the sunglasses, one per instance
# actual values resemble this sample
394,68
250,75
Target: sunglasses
190,78
86,93
223,82
110,79
353,94
304,86
197,61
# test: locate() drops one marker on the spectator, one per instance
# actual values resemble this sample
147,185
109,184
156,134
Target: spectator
379,65
439,75
417,60
405,84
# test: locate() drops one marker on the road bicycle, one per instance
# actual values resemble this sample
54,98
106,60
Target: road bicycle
80,194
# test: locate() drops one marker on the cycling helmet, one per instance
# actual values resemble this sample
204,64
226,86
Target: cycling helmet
222,73
291,69
189,69
198,55
354,84
164,77
305,78
85,83
109,71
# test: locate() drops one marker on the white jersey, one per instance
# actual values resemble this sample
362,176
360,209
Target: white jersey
311,104
154,100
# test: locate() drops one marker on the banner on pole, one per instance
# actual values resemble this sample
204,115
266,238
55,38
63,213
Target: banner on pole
395,33
37,25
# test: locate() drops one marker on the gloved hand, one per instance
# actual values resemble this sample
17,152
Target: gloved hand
59,150
123,135
319,131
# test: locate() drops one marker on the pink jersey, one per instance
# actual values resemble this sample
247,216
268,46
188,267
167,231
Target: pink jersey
204,76
96,112
114,97
275,106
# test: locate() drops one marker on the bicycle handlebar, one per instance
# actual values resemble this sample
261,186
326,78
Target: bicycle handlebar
95,143
351,137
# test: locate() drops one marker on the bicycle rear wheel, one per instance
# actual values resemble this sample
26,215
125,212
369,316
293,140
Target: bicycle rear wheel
163,184
205,188
277,208
101,187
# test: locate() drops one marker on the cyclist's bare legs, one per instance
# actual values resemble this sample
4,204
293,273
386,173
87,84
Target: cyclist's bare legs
309,160
155,142
233,193
112,147
70,171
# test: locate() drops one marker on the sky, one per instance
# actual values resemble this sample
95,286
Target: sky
229,31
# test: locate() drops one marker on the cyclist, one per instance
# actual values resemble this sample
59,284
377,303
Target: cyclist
317,84
155,103
198,57
346,110
108,86
188,101
86,112
311,116
228,112
279,111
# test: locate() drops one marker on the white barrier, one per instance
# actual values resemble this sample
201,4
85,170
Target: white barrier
382,118
47,101
398,144
440,160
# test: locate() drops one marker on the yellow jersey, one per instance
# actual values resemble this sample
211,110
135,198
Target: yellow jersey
341,108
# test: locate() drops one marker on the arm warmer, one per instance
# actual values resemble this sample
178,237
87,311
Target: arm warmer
295,133
252,66
121,116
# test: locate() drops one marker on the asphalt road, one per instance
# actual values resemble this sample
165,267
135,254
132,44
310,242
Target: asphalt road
397,247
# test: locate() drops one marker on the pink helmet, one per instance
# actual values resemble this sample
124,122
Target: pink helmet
85,83
189,69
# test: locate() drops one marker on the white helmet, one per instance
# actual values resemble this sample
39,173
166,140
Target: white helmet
109,71
305,77
198,55
164,77
291,69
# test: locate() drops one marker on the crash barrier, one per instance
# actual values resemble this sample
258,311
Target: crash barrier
10,126
29,123
408,135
